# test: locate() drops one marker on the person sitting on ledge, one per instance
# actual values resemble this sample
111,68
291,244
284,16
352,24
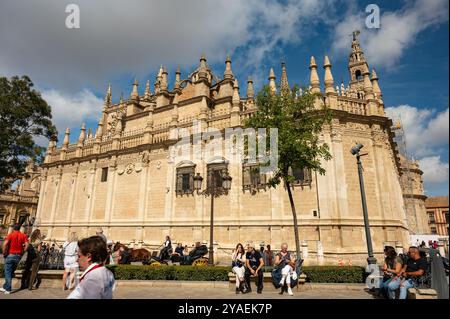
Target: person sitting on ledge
410,275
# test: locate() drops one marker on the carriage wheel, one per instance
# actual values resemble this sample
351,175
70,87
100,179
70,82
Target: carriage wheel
155,264
200,262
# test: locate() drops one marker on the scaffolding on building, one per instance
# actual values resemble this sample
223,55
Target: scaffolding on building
400,139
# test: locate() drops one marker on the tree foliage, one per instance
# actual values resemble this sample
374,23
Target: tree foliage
24,114
299,123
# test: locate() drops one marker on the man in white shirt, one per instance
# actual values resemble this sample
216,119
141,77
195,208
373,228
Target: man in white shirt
96,282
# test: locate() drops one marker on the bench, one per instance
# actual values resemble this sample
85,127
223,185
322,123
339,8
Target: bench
267,278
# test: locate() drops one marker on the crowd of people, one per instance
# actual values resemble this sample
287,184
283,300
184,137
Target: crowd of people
88,255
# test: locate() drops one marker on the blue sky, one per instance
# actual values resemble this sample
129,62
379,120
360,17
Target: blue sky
72,67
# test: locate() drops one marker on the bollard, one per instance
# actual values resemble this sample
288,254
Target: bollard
320,258
305,250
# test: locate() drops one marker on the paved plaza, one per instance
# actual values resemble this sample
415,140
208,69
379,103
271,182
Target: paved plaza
129,292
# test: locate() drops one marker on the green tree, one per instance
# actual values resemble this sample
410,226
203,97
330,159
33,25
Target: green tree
24,114
299,125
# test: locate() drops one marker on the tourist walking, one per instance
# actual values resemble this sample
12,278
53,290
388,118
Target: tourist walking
70,261
30,273
96,282
13,247
238,267
254,263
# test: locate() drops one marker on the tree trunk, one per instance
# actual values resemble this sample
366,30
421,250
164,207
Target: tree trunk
294,215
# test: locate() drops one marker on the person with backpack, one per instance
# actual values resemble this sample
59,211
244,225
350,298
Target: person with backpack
13,248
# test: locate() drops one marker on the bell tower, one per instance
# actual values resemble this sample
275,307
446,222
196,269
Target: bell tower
357,65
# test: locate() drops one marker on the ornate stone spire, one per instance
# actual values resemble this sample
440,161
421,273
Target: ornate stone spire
285,88
375,85
342,88
121,99
82,135
202,70
164,82
108,96
147,93
236,99
329,82
314,77
228,74
368,89
99,132
272,84
66,138
176,86
134,92
158,80
250,90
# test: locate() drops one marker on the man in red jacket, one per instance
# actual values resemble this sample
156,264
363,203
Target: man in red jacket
17,243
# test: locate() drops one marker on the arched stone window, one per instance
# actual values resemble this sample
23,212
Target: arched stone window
185,178
358,75
217,168
302,176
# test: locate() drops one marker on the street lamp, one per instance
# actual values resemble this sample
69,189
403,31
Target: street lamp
213,191
355,151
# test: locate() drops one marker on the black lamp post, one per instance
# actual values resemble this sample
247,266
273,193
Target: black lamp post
355,151
213,191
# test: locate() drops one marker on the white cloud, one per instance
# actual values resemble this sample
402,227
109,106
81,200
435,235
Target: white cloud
72,110
398,31
427,140
426,130
136,37
434,170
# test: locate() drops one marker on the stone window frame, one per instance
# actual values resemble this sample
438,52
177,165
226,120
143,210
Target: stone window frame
431,218
183,169
216,168
302,181
104,175
252,178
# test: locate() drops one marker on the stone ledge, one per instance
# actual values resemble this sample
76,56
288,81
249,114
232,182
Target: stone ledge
415,293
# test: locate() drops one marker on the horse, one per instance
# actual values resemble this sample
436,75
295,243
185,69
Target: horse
136,255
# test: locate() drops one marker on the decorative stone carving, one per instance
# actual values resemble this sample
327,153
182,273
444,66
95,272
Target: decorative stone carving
158,165
129,168
115,123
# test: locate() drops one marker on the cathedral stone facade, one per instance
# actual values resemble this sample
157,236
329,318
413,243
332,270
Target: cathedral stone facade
122,177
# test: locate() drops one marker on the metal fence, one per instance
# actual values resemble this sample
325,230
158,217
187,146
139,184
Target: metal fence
52,259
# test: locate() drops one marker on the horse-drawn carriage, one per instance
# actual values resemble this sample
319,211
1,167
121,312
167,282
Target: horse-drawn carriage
195,258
